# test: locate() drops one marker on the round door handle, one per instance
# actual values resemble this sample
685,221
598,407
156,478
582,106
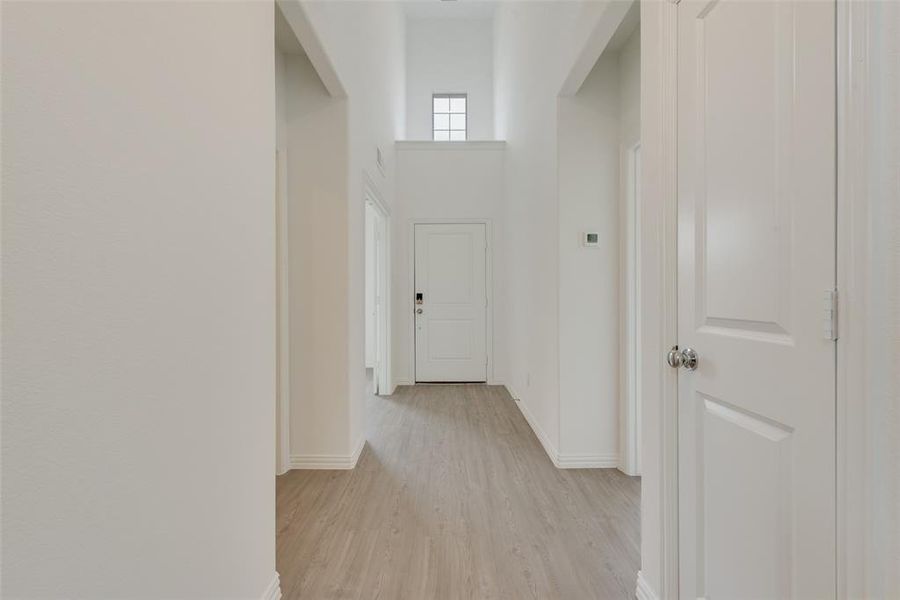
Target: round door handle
419,311
689,359
686,358
674,357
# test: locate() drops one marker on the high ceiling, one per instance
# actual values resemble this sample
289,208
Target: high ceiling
450,9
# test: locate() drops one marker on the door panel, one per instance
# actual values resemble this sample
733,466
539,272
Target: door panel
451,332
756,248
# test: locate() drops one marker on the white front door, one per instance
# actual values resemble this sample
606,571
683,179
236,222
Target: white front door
450,302
756,258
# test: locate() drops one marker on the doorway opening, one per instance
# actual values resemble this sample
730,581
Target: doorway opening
376,291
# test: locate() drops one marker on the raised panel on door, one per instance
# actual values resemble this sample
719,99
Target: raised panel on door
450,321
756,247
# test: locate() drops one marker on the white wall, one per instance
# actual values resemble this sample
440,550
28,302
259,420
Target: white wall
317,160
524,69
630,89
534,218
450,56
365,41
452,180
337,139
138,300
589,276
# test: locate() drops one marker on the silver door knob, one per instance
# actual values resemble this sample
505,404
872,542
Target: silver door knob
686,358
689,359
674,357
419,311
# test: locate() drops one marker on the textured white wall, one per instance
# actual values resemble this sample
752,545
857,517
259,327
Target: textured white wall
138,300
448,183
450,55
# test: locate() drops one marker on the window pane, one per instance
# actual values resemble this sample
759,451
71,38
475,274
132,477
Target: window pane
458,105
441,136
457,122
441,121
458,136
441,104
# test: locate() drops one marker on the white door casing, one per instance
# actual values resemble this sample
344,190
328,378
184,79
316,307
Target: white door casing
756,255
450,274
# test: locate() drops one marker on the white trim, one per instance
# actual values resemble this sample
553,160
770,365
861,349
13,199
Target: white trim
468,145
562,461
283,311
587,461
489,288
372,194
549,448
643,590
629,298
658,311
866,56
328,461
273,590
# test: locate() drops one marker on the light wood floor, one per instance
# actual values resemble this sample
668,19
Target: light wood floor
454,497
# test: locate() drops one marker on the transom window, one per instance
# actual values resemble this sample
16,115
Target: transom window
448,119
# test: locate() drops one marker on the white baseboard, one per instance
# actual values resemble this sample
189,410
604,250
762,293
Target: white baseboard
588,461
643,590
328,461
549,448
563,461
273,591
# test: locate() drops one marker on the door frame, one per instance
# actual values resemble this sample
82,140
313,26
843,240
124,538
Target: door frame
383,372
489,288
282,313
629,318
658,577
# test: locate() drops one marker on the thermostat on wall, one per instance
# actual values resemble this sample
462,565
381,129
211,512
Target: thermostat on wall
590,238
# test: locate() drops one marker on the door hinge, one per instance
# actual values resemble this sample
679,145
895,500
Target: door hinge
830,316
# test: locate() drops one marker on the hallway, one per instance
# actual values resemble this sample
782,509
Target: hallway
454,497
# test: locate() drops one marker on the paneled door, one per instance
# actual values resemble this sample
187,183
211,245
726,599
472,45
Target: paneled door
756,270
450,302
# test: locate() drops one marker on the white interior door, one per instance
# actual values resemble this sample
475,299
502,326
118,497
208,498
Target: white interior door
756,255
450,302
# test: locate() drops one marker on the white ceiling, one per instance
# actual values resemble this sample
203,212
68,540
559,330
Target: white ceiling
450,9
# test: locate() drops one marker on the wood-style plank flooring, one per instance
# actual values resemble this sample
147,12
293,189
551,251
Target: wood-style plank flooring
455,498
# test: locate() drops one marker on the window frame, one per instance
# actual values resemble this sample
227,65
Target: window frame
449,130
